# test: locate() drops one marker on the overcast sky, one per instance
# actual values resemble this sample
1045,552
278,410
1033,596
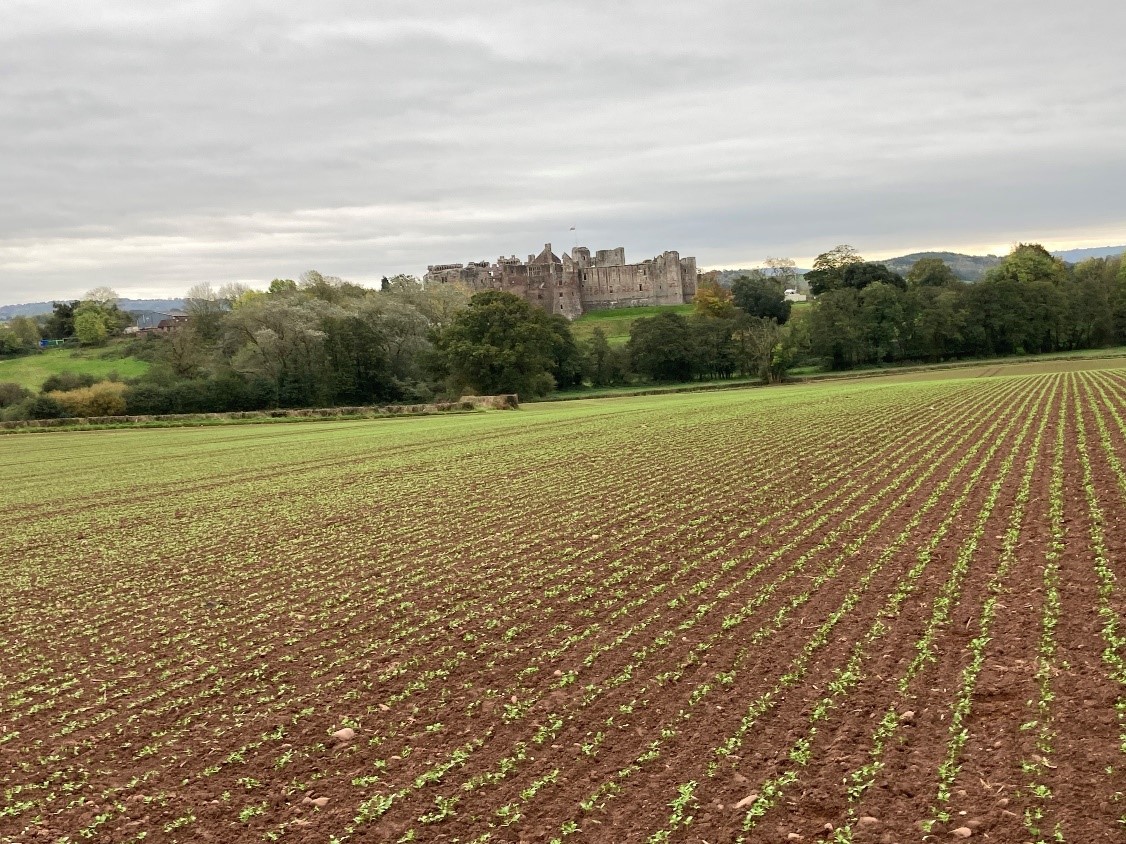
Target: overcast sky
152,145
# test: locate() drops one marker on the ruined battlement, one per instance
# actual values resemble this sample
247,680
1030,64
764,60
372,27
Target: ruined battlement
573,284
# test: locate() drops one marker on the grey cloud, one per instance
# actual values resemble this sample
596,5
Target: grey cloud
152,146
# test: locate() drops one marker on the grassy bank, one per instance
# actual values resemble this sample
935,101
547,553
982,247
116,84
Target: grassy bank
32,370
616,322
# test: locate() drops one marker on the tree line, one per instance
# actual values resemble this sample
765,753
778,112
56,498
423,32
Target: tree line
323,341
1030,303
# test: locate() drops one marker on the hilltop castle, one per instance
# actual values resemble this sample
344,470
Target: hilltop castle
577,283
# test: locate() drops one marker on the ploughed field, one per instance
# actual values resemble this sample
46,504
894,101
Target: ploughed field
863,611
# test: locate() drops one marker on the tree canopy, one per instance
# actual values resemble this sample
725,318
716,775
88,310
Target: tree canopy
760,295
1029,303
500,344
661,348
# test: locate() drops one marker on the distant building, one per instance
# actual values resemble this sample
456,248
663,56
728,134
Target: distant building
157,321
577,283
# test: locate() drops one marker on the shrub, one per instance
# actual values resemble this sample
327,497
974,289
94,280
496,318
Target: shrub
223,393
104,399
35,407
11,393
65,381
148,399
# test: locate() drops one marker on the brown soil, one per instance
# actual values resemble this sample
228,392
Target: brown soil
207,637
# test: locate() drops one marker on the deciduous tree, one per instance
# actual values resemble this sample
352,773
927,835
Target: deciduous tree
759,295
829,266
661,348
712,298
90,327
931,272
499,344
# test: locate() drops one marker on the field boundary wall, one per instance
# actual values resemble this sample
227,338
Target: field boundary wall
462,405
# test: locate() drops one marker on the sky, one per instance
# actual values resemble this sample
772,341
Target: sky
153,146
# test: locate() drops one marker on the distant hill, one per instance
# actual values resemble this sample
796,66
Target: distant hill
1074,256
36,308
966,267
973,267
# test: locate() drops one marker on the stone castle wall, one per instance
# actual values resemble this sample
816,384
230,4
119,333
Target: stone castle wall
577,283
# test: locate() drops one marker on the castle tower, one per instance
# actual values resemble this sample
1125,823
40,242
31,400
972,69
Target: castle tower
576,283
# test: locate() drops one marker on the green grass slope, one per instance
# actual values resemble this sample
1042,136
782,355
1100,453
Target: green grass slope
616,322
31,371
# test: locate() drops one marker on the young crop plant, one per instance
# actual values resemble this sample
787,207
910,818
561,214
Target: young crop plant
797,670
960,711
443,809
863,778
652,754
710,592
847,677
1114,639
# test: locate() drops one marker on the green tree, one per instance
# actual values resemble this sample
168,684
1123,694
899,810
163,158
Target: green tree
438,303
404,331
10,344
67,380
713,347
1047,317
1092,302
597,350
605,365
566,356
758,340
90,326
26,331
330,288
758,295
357,358
931,272
12,393
883,322
60,324
661,348
498,344
1029,262
835,329
860,275
103,301
282,286
1120,300
828,268
281,339
937,323
997,316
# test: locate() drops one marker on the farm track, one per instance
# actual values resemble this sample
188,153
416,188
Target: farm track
633,623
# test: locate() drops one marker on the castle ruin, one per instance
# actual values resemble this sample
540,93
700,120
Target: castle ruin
577,283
